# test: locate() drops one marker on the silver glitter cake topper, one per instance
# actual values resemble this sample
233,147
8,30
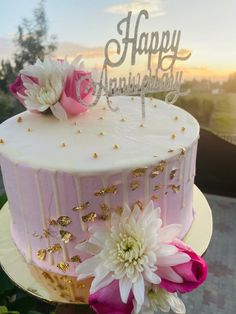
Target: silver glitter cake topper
159,78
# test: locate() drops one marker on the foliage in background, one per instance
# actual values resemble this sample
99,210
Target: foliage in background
32,42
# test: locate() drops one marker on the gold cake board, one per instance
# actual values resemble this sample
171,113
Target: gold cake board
63,289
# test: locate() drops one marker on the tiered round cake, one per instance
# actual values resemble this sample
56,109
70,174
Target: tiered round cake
63,176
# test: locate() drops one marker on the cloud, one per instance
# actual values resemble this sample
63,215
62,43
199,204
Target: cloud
6,48
153,6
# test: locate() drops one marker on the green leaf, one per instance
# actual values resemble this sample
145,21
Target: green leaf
3,200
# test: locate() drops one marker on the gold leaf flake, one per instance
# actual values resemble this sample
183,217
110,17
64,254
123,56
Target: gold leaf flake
79,131
173,136
183,129
139,204
104,108
101,133
154,198
109,190
64,221
29,130
81,207
63,266
36,235
42,254
141,125
75,259
63,145
81,286
158,169
95,156
115,146
156,188
139,172
52,222
2,141
170,151
46,233
134,185
47,276
89,217
173,174
155,106
182,151
54,248
101,118
123,120
19,120
105,212
176,118
66,236
119,210
175,188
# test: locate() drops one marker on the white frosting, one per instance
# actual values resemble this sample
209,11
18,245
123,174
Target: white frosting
41,147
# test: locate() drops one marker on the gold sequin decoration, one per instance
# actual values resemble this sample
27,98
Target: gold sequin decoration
139,172
75,259
175,188
66,236
156,188
19,120
173,174
81,207
134,185
63,266
64,221
158,169
42,254
109,190
90,217
54,248
105,212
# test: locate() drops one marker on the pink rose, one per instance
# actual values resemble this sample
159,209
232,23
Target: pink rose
184,277
69,99
107,300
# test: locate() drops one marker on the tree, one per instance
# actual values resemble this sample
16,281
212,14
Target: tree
230,85
31,42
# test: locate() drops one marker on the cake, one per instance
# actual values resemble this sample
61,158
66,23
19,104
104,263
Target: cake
61,176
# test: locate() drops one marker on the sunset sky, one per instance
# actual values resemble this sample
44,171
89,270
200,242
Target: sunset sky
83,27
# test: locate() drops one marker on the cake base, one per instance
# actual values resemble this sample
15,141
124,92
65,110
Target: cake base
63,289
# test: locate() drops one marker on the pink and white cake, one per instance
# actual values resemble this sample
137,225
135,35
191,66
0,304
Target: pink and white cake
63,176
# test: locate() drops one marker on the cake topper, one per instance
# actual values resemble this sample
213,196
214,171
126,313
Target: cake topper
160,77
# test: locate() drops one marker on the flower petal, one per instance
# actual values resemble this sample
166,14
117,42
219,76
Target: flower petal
89,265
125,285
170,232
138,290
166,249
151,277
59,112
168,273
172,260
103,283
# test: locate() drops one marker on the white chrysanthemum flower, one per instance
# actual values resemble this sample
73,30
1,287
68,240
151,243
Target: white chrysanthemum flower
46,91
157,299
130,248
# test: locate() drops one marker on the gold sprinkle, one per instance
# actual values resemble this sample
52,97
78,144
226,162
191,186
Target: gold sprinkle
182,151
176,118
172,174
46,233
173,136
36,235
64,221
29,130
141,125
54,248
2,141
134,185
42,254
101,118
63,266
66,236
139,172
90,217
81,207
75,259
183,129
109,190
156,188
52,222
101,134
158,169
95,156
123,120
115,146
175,188
79,131
154,198
105,212
170,151
63,145
19,119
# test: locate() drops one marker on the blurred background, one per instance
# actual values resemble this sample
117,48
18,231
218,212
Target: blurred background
67,28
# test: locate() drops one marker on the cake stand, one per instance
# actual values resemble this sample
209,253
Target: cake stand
25,276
